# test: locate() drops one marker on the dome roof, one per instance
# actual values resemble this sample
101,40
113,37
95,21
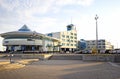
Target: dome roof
24,28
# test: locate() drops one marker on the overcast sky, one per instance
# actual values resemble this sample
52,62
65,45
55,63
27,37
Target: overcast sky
46,16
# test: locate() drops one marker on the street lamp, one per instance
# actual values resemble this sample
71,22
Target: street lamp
96,18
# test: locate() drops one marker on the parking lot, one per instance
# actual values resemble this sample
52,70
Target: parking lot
64,69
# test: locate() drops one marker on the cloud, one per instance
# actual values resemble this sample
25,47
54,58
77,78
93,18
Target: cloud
74,2
14,12
25,10
39,6
85,2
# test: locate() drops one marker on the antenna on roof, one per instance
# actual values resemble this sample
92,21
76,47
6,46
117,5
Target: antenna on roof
71,19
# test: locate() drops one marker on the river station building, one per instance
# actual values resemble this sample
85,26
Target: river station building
26,40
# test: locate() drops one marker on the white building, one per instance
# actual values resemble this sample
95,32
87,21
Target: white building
68,38
29,41
102,45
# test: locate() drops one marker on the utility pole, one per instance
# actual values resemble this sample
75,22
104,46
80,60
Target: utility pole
96,18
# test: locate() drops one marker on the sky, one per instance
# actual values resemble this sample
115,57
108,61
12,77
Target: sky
46,16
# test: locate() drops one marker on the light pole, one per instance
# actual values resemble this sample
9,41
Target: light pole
96,18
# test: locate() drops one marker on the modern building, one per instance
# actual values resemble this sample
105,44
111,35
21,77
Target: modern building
82,44
102,45
68,38
29,41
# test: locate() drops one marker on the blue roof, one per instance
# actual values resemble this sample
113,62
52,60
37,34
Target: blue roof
24,28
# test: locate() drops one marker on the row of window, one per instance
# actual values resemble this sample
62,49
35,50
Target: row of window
69,37
63,44
74,34
69,40
98,47
95,41
98,44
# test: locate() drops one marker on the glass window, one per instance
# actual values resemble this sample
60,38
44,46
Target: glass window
75,37
71,33
75,41
63,44
6,41
71,40
99,46
63,39
63,35
67,44
75,34
67,36
71,37
75,45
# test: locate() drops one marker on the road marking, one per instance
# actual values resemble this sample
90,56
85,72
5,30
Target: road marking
113,64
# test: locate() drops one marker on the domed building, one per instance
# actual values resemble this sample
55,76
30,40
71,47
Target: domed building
29,41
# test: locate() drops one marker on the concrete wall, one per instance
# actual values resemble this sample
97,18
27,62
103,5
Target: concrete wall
66,57
102,57
36,56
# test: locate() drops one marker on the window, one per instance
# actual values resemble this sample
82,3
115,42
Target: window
99,47
99,43
67,44
6,41
75,41
63,35
63,39
103,40
71,40
75,34
71,37
71,33
68,40
103,46
67,36
103,43
75,45
63,44
71,44
75,37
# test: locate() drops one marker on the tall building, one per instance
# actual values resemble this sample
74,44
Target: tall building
102,44
29,41
68,38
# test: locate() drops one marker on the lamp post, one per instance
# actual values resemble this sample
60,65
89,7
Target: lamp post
96,18
10,54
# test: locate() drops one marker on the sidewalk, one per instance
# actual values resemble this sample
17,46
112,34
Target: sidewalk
6,65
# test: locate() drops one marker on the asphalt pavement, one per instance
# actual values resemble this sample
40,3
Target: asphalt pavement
64,69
